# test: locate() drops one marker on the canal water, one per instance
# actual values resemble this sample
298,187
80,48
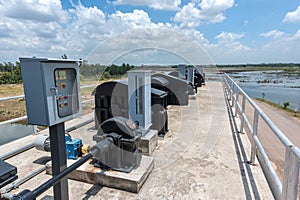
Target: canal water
11,132
276,86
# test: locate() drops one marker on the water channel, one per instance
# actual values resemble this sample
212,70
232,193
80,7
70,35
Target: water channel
276,86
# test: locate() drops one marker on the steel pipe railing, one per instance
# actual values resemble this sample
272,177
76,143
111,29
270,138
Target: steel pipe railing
25,117
31,145
23,96
289,188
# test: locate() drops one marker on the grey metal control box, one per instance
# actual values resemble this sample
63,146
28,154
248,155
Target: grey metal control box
52,90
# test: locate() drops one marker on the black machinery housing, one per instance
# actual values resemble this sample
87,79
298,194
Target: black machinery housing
111,100
123,141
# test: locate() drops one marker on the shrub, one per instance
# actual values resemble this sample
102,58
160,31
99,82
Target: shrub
286,105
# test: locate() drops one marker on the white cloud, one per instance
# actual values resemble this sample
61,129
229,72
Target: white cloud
273,34
216,6
125,21
34,10
229,36
139,40
29,36
292,16
155,4
207,11
285,48
228,48
189,16
78,30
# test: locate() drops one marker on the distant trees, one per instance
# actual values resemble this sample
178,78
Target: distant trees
116,71
104,72
10,73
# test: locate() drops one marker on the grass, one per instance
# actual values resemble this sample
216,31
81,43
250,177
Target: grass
8,90
289,111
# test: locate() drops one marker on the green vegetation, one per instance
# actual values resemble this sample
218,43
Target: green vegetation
285,107
103,72
10,73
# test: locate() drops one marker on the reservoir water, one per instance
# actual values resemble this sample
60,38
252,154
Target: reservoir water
11,132
276,86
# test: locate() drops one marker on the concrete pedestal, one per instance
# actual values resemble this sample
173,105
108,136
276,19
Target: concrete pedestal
149,142
131,182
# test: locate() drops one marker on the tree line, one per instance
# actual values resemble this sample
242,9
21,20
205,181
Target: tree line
10,73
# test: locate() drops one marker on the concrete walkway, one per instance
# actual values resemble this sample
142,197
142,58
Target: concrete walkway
203,157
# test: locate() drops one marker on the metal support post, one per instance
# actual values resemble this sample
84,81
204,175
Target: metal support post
59,159
232,95
243,112
236,103
253,147
291,175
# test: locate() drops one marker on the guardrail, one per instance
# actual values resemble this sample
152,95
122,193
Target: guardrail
23,96
289,188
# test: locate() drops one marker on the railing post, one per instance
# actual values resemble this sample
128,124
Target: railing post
291,175
232,95
243,112
255,127
228,84
236,102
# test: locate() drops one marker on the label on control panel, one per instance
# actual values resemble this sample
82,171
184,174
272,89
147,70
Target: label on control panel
67,92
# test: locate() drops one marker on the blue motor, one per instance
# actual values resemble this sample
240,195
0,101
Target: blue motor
74,147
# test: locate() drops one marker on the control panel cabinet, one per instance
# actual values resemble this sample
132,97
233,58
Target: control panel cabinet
52,90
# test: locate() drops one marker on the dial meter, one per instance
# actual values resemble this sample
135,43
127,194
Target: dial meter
52,90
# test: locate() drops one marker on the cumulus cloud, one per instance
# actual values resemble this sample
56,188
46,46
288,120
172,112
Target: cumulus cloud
141,40
213,10
207,11
155,4
74,31
189,16
126,21
34,10
292,16
78,30
283,48
229,36
273,34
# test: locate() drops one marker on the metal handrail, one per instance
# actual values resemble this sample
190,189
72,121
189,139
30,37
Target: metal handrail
23,96
289,188
25,117
12,97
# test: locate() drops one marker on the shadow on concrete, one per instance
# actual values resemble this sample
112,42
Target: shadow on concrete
250,187
93,191
42,160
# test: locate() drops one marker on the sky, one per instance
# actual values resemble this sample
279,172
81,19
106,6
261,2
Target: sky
152,31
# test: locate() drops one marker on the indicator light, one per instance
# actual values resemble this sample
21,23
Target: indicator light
63,85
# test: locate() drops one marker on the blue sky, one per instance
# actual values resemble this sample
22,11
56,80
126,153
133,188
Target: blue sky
145,31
